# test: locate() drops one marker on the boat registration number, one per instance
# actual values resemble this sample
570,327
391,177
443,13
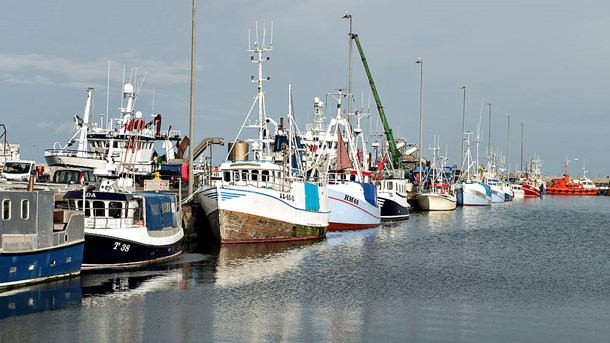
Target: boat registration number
287,196
121,246
351,199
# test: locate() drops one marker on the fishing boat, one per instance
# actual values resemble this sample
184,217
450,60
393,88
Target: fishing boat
127,229
517,189
267,198
392,196
436,194
38,241
352,197
469,189
122,145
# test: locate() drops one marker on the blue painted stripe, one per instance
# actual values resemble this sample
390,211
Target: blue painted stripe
275,198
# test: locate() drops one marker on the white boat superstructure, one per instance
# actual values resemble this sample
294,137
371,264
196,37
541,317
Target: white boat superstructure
122,145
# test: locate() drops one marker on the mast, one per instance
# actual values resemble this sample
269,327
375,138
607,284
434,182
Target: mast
421,89
82,140
192,100
463,88
259,50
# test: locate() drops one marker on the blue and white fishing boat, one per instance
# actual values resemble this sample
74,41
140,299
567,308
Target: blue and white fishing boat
352,197
38,241
469,189
264,195
127,229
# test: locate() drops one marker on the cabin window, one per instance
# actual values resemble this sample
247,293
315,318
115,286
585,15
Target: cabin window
6,209
25,209
265,176
114,209
244,175
255,175
166,207
390,186
99,209
79,206
226,176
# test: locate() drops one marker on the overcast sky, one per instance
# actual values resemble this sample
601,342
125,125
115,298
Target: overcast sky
544,62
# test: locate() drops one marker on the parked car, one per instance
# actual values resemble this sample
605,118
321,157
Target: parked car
19,170
75,176
173,176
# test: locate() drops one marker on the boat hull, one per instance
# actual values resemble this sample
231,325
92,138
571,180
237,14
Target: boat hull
250,214
129,247
18,269
497,194
74,161
349,210
531,191
551,191
473,194
435,202
393,208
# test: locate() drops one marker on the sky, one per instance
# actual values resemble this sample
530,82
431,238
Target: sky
544,64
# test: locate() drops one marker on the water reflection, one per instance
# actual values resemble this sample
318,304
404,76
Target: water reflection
240,264
48,296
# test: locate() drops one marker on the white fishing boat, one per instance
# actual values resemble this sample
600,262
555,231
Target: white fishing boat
469,189
121,145
436,195
351,195
517,190
266,198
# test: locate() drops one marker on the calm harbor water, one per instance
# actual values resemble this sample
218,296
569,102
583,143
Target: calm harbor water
536,270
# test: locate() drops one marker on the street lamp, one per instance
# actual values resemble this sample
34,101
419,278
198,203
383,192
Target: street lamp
507,136
489,136
349,68
463,88
421,93
521,162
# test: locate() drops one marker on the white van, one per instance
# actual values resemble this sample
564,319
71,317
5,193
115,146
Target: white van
19,170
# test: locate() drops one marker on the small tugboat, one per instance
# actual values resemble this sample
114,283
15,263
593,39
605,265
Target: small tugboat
127,229
566,186
38,242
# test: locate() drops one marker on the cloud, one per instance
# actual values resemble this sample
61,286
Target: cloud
36,69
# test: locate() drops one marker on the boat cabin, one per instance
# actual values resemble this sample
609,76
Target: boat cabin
114,210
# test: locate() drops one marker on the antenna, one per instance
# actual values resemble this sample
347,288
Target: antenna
271,43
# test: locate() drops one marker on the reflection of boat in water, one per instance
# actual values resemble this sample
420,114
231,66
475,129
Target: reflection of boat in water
41,297
247,263
132,283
